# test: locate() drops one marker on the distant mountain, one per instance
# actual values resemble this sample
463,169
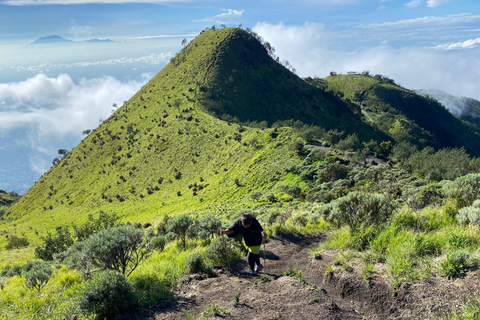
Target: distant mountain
97,40
467,109
50,39
58,39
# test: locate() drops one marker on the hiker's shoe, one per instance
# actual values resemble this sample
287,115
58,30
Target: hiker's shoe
251,272
258,267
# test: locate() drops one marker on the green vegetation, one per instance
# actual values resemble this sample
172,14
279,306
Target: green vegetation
401,114
222,128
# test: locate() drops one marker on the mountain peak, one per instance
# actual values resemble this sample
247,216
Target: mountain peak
234,76
50,39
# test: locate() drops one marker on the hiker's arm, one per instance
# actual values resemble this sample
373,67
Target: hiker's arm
226,231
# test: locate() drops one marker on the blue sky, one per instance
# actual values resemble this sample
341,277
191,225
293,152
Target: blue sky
50,93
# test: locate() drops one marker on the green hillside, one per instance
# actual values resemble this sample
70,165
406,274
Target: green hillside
402,114
225,127
467,109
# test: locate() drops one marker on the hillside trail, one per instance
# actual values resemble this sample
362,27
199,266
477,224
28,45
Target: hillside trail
266,295
345,295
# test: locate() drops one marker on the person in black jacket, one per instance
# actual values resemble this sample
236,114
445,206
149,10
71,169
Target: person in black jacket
252,233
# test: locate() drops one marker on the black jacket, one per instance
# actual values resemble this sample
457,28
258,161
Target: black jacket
251,235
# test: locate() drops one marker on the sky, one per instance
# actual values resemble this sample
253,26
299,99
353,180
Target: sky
51,93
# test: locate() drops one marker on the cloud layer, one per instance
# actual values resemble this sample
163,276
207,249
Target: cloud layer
43,113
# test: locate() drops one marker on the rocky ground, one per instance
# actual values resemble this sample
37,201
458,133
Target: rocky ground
341,295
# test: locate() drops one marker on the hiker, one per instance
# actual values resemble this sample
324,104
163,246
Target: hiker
252,233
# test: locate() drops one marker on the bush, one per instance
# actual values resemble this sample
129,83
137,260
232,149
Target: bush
15,242
107,295
10,271
271,217
195,263
469,215
207,226
464,189
333,171
52,245
37,274
158,243
455,264
359,210
445,164
216,251
180,225
104,221
120,248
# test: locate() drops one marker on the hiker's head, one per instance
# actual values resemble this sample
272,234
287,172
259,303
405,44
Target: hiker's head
247,219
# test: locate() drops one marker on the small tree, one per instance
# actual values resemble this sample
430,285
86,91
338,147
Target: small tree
180,225
120,248
207,226
62,152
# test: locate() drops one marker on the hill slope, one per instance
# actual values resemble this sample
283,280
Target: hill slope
404,115
467,109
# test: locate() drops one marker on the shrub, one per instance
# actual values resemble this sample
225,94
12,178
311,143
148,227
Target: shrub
195,262
359,210
216,251
107,295
333,171
37,274
179,226
271,217
10,271
445,164
52,245
15,242
102,222
207,226
470,214
464,189
158,243
120,248
455,264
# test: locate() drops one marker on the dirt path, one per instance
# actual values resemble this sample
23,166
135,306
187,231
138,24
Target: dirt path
272,295
268,295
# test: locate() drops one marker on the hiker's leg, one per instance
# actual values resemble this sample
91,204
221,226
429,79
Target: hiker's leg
251,259
256,258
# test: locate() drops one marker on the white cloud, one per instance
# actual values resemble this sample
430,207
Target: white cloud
468,44
228,16
413,3
153,59
436,3
54,108
76,2
307,49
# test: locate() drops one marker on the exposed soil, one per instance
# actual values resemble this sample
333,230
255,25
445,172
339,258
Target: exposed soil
342,295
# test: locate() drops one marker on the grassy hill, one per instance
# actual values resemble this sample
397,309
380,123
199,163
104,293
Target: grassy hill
404,115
